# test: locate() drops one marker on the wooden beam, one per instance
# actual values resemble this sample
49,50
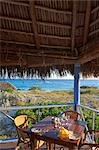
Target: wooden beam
39,35
15,19
34,24
33,52
87,20
35,60
56,47
38,22
55,36
17,43
16,31
31,44
54,24
91,53
49,48
14,3
94,32
53,10
95,9
74,14
56,62
39,54
94,22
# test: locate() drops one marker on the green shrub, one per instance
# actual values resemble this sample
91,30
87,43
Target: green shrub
10,90
35,88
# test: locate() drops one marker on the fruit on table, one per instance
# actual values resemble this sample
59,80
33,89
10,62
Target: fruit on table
63,133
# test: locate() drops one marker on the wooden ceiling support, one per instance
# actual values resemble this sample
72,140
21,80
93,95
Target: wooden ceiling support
94,32
34,24
89,56
74,14
39,35
15,19
54,24
14,3
91,52
51,47
94,22
38,54
95,9
53,10
57,62
16,32
55,36
87,20
13,48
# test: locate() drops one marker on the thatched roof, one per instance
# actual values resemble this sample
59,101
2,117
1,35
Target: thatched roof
38,36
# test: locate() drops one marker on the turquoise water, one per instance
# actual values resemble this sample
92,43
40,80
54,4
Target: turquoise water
52,84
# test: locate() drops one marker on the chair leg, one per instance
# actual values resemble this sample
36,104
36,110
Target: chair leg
17,148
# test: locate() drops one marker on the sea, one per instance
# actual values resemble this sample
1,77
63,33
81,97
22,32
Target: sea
50,84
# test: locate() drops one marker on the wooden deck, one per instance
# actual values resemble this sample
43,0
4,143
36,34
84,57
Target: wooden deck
8,145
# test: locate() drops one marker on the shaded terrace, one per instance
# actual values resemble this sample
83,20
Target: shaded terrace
38,37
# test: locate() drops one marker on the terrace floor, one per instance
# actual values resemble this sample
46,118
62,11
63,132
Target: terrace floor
13,146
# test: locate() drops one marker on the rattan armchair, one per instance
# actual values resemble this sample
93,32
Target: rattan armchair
24,134
69,114
90,141
21,123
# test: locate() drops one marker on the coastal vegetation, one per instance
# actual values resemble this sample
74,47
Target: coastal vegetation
37,96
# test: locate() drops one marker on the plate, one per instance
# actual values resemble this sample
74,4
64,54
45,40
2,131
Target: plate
35,130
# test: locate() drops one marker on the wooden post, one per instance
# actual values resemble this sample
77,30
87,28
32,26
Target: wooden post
76,85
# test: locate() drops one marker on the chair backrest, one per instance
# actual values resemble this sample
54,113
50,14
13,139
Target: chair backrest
72,115
21,121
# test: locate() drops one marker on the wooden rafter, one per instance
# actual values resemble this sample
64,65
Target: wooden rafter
54,24
91,53
95,9
94,22
13,47
31,44
39,35
38,22
87,20
74,14
53,10
93,32
40,63
14,3
38,54
16,32
34,24
89,56
15,19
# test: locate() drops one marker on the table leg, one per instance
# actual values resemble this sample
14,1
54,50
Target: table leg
50,146
34,144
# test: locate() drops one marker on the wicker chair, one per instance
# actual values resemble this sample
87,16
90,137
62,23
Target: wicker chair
91,143
72,115
24,137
